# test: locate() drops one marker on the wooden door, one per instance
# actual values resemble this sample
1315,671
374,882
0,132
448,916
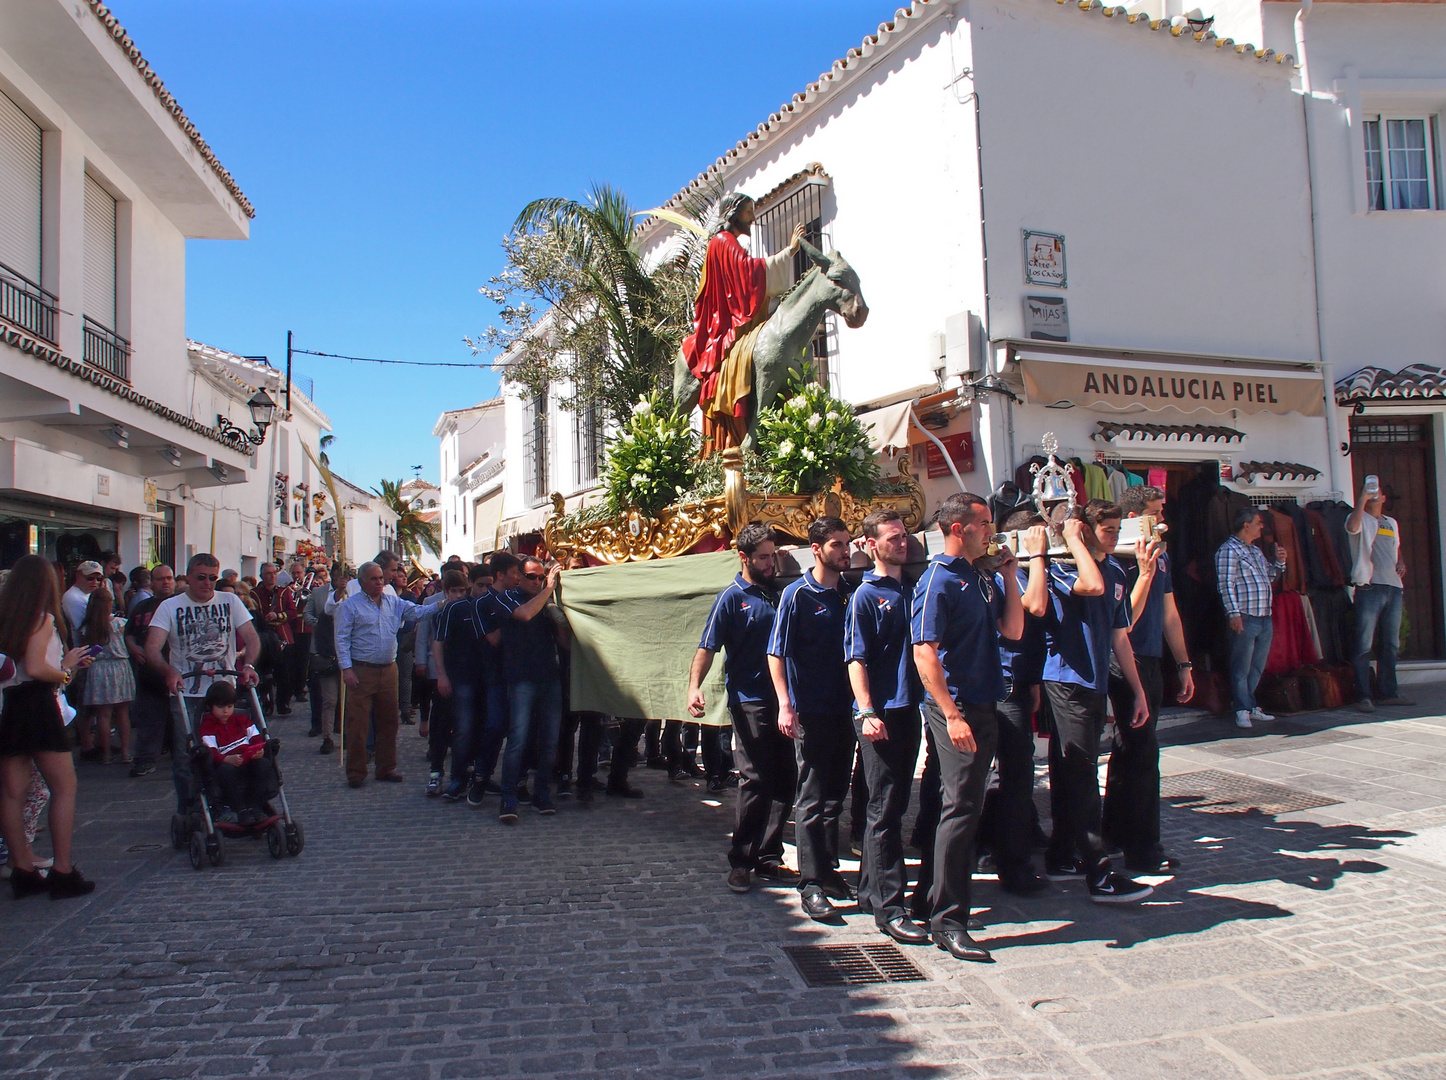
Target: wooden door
1399,449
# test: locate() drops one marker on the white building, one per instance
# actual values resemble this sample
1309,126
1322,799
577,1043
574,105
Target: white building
1128,217
425,499
371,525
102,180
473,451
276,512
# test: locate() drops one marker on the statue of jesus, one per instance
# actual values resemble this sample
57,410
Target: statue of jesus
731,307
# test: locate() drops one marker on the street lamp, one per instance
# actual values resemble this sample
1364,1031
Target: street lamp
263,410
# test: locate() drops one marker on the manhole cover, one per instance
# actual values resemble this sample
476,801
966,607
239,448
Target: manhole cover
145,847
1213,792
1253,746
852,965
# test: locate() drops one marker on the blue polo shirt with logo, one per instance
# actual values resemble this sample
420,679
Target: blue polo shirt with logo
1023,660
740,624
1148,636
808,634
876,633
529,649
1078,628
462,626
958,608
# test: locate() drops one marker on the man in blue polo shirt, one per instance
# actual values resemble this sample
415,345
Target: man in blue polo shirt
959,616
1089,618
1132,785
741,623
806,663
460,639
886,722
531,636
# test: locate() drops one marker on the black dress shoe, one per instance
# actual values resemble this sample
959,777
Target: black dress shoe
326,747
838,888
905,931
1023,884
624,791
816,905
959,944
1153,864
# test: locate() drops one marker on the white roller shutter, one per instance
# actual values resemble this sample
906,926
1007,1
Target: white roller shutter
19,191
99,254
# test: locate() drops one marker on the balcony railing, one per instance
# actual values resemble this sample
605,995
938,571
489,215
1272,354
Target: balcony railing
26,305
105,349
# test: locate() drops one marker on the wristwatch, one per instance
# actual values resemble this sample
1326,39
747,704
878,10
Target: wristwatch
1187,665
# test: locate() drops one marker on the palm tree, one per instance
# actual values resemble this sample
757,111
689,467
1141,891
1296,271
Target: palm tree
413,533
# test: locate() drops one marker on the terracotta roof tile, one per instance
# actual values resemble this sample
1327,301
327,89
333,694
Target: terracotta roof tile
169,102
1275,470
1169,433
1415,381
905,20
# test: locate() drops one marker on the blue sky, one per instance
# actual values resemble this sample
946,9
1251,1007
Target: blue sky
387,147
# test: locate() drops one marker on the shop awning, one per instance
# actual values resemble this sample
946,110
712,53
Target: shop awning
536,518
1135,385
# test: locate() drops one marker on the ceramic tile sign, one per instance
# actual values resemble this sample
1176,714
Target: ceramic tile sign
1044,259
1046,318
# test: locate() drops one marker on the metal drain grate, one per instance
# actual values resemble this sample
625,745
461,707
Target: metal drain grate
1213,792
852,965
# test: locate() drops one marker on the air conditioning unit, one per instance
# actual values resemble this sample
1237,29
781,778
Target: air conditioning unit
964,344
934,351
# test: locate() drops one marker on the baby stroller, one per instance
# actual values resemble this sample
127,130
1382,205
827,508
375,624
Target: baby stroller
197,831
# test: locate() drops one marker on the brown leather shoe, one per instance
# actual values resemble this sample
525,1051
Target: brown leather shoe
356,781
391,777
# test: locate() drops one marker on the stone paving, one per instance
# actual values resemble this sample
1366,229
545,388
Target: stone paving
418,939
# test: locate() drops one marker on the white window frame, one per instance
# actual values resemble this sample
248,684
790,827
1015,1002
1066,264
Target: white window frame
1382,119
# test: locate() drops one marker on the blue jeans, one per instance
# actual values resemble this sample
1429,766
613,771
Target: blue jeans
538,703
1377,606
1248,652
466,726
494,733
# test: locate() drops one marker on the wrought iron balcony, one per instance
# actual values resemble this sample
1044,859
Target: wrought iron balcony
105,349
26,305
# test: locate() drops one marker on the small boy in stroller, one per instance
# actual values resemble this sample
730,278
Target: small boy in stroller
243,774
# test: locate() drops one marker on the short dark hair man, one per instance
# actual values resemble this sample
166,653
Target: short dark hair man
530,640
1378,571
1088,619
1132,788
810,678
461,634
741,623
886,721
958,618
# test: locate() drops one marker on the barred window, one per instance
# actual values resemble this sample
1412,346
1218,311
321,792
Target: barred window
587,446
772,232
534,449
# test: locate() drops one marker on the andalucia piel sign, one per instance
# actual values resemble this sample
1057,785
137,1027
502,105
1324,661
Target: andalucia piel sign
1161,386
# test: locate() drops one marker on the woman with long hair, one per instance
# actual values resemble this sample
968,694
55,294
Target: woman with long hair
31,727
110,683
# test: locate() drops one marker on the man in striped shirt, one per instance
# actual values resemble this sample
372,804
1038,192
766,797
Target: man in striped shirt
1244,579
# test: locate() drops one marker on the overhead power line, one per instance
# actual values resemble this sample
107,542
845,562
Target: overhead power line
398,363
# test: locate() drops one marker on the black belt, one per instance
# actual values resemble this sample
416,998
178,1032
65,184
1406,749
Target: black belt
368,663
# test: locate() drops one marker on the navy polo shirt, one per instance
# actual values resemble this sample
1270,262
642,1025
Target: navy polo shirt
958,608
808,634
877,634
529,649
1078,628
740,624
1023,660
462,627
501,608
1148,636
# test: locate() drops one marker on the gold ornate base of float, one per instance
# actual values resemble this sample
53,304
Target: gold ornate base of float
677,529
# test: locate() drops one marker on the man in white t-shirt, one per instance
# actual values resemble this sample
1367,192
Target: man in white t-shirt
1377,570
89,576
201,628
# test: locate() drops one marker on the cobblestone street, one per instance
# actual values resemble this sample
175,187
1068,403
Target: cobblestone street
415,938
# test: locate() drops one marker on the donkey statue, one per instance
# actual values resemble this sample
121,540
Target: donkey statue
831,284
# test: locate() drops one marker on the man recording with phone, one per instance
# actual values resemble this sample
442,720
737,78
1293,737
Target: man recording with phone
1377,572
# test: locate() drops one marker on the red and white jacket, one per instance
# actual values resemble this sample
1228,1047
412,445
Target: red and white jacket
234,735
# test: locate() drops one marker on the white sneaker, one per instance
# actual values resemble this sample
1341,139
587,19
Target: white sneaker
1258,713
1242,718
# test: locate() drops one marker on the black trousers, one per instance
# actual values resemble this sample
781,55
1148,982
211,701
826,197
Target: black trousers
1132,785
889,770
963,776
150,713
625,750
679,739
439,732
1074,785
716,745
825,753
1008,808
767,782
858,798
248,784
926,825
584,731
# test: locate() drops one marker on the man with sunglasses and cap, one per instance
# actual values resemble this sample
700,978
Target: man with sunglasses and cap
89,576
958,618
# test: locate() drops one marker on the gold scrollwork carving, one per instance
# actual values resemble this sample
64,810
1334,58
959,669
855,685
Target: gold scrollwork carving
636,538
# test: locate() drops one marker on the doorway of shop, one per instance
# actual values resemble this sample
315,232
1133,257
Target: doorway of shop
1400,450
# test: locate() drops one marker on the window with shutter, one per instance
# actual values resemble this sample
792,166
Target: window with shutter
99,254
19,191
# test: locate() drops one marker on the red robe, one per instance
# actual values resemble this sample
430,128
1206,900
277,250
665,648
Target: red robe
731,293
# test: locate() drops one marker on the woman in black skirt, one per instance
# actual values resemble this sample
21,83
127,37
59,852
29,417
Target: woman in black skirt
31,728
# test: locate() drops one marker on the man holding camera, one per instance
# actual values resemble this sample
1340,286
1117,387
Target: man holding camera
1377,572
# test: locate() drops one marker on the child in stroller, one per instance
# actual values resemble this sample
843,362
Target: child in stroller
243,773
